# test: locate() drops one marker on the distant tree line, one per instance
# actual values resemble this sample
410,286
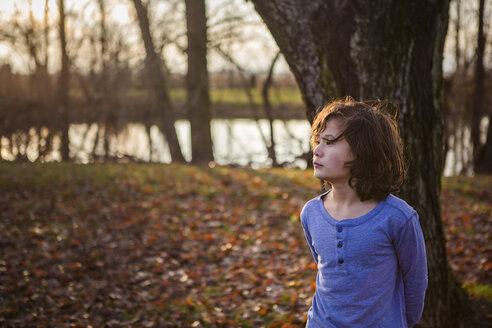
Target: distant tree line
98,81
467,103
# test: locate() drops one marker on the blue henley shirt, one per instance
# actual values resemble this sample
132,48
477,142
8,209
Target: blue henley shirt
372,270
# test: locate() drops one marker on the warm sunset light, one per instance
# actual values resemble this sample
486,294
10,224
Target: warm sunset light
245,163
119,10
37,7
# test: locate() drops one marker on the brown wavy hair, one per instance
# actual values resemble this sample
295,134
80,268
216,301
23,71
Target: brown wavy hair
378,168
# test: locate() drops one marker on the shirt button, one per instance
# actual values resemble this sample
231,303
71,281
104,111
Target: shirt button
340,229
340,261
340,244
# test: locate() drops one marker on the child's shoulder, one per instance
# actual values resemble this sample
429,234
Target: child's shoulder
312,204
400,206
399,215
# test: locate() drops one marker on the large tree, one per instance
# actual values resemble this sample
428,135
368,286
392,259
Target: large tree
386,49
197,86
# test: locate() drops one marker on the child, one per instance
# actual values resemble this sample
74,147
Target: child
367,243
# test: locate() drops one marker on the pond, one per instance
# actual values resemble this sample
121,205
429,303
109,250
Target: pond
235,141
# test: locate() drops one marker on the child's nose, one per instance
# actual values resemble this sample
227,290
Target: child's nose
317,151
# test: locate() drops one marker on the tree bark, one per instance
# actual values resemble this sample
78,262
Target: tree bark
198,100
153,67
389,50
63,89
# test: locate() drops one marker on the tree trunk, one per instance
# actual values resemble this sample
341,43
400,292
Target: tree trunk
392,50
155,74
63,89
457,43
478,96
103,38
484,156
46,32
269,111
198,101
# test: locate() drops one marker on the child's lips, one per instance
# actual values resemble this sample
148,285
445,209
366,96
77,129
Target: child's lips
317,164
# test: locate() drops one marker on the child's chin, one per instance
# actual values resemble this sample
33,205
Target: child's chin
319,175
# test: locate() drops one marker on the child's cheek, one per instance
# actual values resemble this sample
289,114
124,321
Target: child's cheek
337,159
339,162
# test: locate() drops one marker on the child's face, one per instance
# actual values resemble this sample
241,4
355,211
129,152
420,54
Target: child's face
329,158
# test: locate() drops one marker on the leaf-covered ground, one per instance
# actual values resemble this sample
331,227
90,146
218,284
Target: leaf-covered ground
467,216
177,246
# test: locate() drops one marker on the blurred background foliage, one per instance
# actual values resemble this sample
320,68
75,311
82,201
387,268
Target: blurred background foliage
90,98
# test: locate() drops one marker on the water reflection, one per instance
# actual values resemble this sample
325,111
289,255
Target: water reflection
235,141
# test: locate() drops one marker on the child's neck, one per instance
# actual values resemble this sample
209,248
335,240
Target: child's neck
342,202
343,195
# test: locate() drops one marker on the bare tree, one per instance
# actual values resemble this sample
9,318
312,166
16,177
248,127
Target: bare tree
198,99
478,95
483,156
63,87
154,71
269,110
248,88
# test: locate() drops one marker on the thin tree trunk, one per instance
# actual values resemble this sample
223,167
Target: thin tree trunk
102,85
96,141
46,77
478,96
63,86
46,32
483,164
11,144
450,122
392,50
269,111
108,132
148,129
457,29
153,65
197,85
103,36
247,86
457,80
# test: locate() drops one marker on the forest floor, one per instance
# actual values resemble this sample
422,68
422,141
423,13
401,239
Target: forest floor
182,246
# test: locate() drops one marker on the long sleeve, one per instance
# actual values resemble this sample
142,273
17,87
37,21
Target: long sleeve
308,237
410,247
